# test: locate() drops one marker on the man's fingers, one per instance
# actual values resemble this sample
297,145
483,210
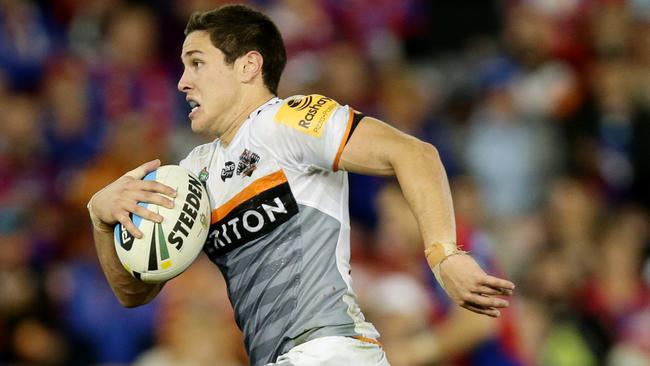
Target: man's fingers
486,290
153,186
497,283
128,224
154,198
486,311
144,169
485,301
506,292
146,213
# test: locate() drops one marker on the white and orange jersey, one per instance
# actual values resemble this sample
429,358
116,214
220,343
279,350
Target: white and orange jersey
280,229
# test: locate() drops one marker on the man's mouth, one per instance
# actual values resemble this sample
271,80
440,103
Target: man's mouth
194,105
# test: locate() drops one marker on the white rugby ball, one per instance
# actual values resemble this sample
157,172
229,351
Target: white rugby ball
168,248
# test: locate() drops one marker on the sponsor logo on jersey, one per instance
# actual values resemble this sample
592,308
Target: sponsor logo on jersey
300,103
227,171
308,114
188,214
256,211
247,163
204,174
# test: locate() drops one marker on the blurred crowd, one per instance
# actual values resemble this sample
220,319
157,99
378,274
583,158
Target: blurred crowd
540,110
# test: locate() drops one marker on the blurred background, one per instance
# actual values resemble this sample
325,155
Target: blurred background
540,110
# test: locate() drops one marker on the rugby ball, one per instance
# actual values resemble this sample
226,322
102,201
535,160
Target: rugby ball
168,248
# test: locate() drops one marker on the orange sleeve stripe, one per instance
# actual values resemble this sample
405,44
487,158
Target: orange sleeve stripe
260,185
335,166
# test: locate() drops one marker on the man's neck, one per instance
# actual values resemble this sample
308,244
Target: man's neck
249,106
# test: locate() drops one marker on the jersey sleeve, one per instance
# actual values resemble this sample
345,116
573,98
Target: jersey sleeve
311,131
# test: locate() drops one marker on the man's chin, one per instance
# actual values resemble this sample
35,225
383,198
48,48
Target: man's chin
201,128
198,126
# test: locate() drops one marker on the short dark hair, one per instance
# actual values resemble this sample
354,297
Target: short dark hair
238,29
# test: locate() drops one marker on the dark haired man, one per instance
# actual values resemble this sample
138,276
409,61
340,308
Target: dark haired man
276,174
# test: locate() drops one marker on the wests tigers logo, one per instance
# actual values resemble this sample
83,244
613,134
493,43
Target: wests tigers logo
247,163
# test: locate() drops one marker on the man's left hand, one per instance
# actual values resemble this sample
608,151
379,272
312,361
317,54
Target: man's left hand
470,287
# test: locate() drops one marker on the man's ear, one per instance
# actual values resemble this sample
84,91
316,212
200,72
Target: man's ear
249,66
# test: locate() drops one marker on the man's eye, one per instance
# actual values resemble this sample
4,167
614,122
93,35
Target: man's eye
197,64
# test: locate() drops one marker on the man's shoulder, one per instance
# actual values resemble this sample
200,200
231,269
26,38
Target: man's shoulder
305,113
302,102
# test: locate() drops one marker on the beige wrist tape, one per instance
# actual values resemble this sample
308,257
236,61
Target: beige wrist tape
437,253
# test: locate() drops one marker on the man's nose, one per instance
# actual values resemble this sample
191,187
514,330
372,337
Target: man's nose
183,83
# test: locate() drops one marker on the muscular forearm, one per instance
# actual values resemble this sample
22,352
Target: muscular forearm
376,148
424,183
128,290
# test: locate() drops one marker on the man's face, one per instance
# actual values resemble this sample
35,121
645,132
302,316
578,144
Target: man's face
211,86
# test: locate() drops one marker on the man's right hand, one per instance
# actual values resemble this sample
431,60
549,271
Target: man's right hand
115,202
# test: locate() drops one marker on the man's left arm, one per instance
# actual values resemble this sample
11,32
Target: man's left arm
376,148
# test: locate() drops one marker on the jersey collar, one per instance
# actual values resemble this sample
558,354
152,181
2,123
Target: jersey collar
263,106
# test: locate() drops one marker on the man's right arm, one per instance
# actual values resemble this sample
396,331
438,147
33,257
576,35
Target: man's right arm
129,291
113,204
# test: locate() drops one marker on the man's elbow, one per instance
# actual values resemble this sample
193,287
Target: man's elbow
429,150
129,302
424,150
132,300
414,154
